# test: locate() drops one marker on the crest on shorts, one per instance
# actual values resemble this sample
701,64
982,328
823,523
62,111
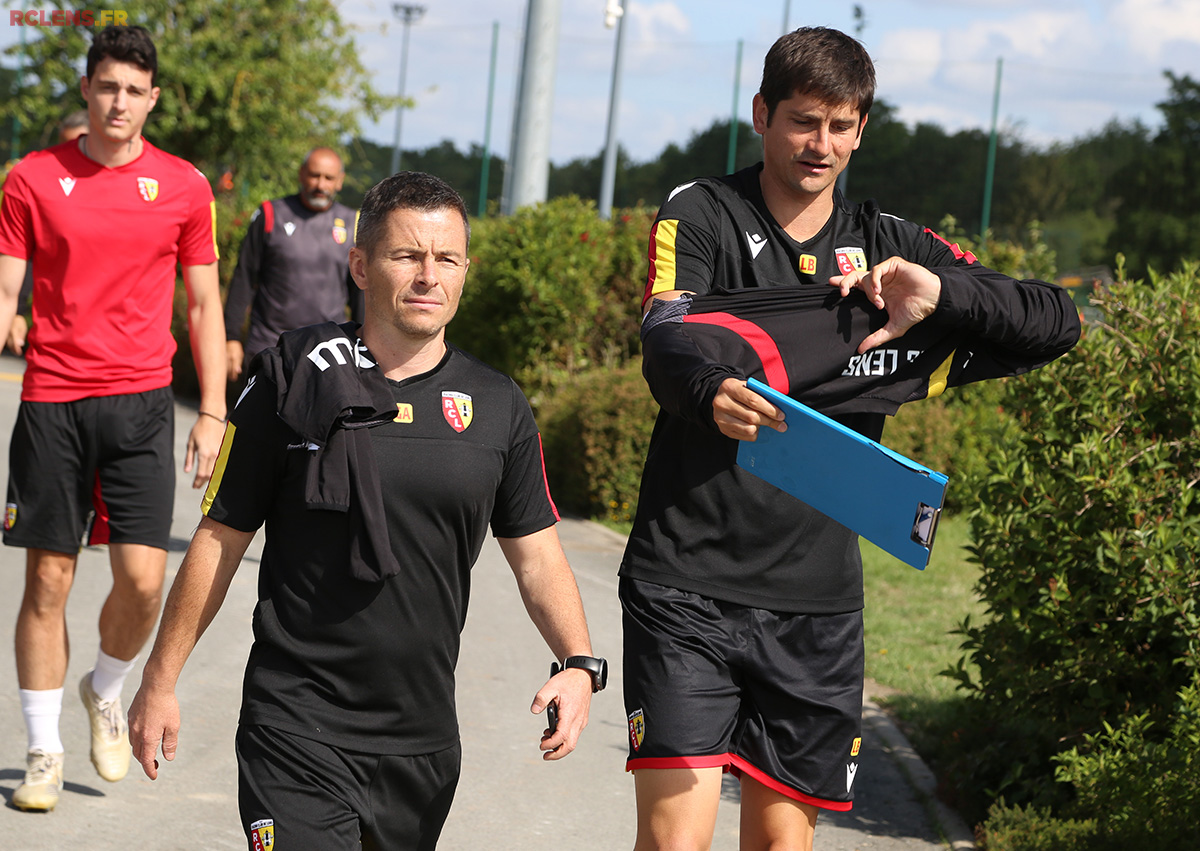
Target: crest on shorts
850,260
10,515
856,746
457,409
148,187
637,729
262,834
339,231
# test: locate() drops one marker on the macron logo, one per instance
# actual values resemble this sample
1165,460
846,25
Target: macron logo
851,770
249,384
756,244
67,184
680,188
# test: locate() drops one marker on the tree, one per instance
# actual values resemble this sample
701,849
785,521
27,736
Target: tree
1158,221
247,87
705,154
369,162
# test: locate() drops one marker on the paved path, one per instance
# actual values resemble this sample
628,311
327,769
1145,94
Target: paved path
508,798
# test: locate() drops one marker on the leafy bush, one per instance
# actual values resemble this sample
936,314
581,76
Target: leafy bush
1036,829
1086,536
1134,790
1032,258
554,291
596,430
1143,788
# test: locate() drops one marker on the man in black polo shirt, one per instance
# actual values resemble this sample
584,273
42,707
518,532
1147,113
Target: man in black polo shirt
377,456
742,606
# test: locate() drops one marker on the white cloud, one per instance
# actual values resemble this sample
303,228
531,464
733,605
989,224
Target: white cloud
1152,26
907,58
652,22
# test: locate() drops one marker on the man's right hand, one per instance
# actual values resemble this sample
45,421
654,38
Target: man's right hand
234,355
17,334
739,412
153,719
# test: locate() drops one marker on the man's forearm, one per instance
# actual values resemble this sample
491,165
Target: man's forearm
549,591
206,334
195,598
12,275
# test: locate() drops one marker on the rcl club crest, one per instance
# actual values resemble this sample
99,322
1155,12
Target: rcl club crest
148,187
262,833
637,728
339,231
457,409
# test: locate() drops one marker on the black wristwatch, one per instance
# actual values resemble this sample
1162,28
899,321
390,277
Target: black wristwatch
598,668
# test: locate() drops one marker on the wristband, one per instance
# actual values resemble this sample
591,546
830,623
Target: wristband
598,668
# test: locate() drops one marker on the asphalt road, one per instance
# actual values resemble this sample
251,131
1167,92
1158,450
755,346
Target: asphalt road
508,797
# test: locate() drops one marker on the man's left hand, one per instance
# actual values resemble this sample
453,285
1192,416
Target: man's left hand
203,446
907,291
572,688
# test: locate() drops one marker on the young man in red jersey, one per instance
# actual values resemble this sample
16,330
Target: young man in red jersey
103,221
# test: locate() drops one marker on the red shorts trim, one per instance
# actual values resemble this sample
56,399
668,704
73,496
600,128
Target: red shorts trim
720,760
740,766
737,765
101,532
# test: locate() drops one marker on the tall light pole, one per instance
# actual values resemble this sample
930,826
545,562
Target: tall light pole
528,174
986,217
409,15
614,15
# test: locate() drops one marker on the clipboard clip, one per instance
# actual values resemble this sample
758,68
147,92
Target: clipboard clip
925,524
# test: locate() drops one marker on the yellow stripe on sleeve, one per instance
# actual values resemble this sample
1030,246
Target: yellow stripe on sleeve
357,213
663,268
940,377
214,484
212,206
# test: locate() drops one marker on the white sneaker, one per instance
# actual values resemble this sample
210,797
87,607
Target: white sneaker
110,732
43,782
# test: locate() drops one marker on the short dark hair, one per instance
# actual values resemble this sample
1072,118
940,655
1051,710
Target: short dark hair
407,190
124,44
78,118
820,62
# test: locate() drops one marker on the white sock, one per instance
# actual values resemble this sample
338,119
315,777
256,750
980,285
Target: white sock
109,675
41,709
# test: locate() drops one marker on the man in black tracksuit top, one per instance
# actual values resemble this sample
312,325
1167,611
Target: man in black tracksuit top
742,606
377,456
293,268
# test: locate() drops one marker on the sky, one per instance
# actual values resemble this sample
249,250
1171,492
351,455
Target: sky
1068,66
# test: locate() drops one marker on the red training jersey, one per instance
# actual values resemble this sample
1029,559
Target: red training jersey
103,244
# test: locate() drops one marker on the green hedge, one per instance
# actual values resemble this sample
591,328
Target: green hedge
553,292
596,431
1086,535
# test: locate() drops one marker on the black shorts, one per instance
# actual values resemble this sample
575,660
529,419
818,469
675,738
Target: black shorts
313,796
773,695
111,455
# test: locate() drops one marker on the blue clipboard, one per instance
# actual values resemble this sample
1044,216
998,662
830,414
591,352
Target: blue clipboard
888,499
